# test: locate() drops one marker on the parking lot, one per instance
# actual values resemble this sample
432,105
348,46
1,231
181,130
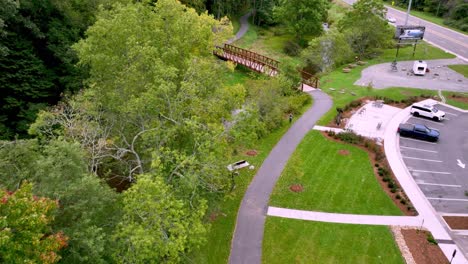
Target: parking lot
440,169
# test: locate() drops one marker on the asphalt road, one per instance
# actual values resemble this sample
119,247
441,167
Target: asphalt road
447,39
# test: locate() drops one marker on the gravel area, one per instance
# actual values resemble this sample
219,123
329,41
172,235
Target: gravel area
439,77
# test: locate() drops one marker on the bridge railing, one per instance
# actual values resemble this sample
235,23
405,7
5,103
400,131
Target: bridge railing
247,55
309,79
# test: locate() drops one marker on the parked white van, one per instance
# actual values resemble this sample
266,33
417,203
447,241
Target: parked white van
419,67
428,111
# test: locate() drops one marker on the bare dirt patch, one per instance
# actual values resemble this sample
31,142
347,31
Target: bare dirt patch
457,222
252,152
215,215
343,152
422,251
296,188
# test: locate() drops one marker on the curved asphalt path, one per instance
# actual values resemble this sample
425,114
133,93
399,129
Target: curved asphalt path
244,22
246,244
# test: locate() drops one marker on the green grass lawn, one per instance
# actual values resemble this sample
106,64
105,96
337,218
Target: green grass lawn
332,182
460,68
218,244
269,43
428,17
297,241
456,103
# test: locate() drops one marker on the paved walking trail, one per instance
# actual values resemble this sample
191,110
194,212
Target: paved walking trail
244,22
345,218
248,236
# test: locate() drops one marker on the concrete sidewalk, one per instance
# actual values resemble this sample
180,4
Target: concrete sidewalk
419,201
414,221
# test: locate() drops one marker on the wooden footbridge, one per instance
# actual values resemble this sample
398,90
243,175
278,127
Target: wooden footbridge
258,62
249,59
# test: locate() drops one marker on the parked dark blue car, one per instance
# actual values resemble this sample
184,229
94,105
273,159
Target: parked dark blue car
419,132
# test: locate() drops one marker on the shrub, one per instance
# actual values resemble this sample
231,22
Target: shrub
431,239
291,48
391,184
376,165
296,102
403,201
350,137
379,155
386,179
398,196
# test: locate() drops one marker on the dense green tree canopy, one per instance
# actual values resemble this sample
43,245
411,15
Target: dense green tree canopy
156,225
25,228
88,209
302,17
355,26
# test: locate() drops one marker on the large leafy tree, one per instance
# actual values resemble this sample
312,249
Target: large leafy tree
156,225
89,209
328,51
25,228
154,86
302,17
355,25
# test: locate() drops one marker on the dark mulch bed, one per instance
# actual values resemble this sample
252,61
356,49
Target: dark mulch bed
423,252
296,188
457,222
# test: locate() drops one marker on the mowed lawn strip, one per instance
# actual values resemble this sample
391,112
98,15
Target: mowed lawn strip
460,68
298,241
331,182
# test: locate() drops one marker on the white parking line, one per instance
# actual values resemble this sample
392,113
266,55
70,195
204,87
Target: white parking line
422,141
434,172
436,184
447,199
425,150
421,159
451,113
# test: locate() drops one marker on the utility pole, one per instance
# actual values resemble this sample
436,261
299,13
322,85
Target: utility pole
407,13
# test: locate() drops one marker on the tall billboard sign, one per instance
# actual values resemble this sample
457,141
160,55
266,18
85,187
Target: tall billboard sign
410,32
